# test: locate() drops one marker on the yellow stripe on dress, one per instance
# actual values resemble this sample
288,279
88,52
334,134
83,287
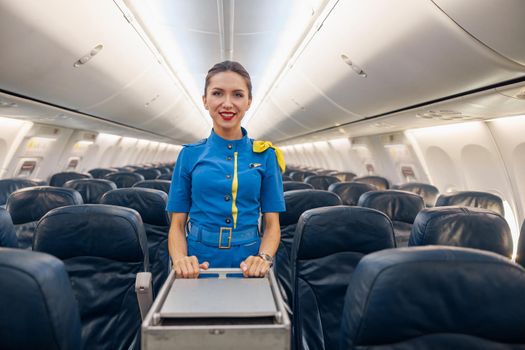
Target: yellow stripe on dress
235,185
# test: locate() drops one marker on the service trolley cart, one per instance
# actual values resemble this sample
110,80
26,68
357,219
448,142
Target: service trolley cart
219,312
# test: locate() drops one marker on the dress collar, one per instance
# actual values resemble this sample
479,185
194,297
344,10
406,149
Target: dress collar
215,139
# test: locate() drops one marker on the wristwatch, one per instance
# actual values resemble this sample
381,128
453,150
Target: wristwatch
266,257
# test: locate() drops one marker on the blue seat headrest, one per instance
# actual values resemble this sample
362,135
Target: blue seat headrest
91,189
341,229
124,179
95,230
7,230
296,185
427,191
168,177
8,186
59,179
148,202
299,201
99,173
350,191
149,174
472,199
462,227
39,310
397,205
163,185
378,181
404,293
31,203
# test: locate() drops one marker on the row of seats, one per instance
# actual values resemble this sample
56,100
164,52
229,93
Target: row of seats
327,244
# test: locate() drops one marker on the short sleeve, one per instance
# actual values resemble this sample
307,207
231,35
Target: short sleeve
179,199
272,196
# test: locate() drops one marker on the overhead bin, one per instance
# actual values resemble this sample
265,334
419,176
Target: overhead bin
497,24
219,312
410,51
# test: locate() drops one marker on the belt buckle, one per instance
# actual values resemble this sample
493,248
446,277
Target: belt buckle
229,238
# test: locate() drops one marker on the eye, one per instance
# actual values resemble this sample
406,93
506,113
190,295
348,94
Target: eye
239,94
216,93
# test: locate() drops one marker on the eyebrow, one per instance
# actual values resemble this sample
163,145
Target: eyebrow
220,89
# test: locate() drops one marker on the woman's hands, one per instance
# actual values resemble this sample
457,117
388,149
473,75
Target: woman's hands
255,266
188,266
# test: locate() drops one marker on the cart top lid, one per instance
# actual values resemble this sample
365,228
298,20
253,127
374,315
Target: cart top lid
217,298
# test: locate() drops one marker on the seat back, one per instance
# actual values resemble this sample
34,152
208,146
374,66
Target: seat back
400,206
149,173
103,248
39,310
99,173
297,202
328,244
26,206
419,297
151,205
124,179
8,186
59,179
380,182
301,175
167,176
321,182
163,185
7,230
427,191
473,199
286,178
462,227
349,192
520,254
91,190
296,185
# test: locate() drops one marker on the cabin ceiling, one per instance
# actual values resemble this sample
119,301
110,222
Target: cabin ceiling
318,66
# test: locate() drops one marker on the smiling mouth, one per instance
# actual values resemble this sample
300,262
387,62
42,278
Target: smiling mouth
227,115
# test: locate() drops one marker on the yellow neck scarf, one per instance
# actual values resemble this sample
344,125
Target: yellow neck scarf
261,146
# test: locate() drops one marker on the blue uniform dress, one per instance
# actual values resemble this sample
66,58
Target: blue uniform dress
224,186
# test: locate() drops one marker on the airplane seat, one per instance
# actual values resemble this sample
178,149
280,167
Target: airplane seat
99,173
163,169
520,254
301,175
321,182
328,244
8,186
39,310
462,227
27,205
297,202
296,185
151,205
167,176
7,230
59,179
163,185
349,192
91,190
434,298
149,173
286,178
378,181
474,199
400,206
103,247
427,191
343,176
124,179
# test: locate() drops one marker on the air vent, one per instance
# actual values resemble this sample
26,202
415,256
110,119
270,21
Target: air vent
357,70
444,115
7,104
84,59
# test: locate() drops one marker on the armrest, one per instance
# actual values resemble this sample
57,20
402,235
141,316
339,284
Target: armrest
144,291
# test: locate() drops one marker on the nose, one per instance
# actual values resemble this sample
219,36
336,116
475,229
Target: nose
227,103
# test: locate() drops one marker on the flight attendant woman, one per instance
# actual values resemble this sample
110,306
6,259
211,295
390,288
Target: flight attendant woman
223,183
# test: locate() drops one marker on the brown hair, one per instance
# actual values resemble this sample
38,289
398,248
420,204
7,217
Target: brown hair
229,66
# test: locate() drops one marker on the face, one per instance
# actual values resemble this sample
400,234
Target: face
227,100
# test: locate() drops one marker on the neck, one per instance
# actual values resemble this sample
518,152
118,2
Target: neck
229,134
